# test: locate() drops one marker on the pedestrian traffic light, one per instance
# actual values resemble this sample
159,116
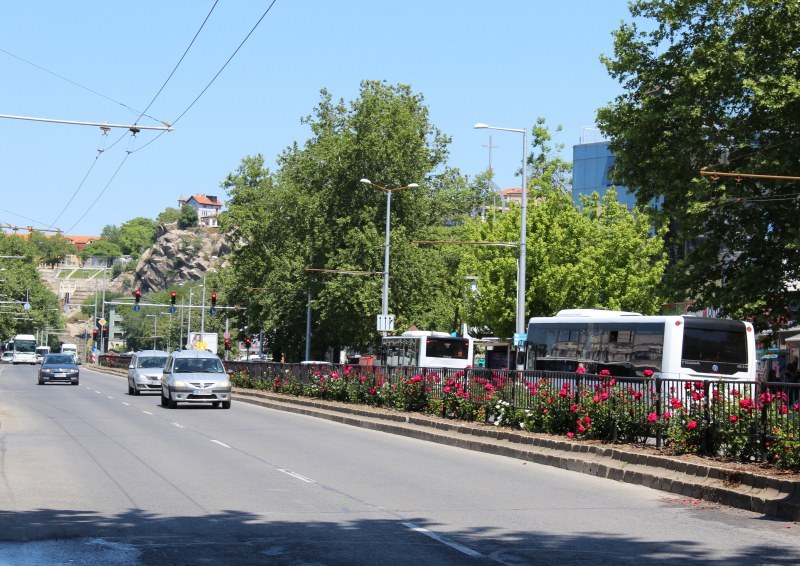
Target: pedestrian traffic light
213,299
137,295
227,343
172,297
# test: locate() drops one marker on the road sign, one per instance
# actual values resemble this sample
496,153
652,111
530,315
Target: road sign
102,322
386,323
212,310
226,335
136,308
172,309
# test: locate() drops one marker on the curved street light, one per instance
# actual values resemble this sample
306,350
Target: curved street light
523,225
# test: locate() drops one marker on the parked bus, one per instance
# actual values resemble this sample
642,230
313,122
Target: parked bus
24,348
626,344
427,349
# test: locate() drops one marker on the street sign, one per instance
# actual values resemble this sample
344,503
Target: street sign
519,338
385,323
102,322
212,310
172,309
136,308
226,335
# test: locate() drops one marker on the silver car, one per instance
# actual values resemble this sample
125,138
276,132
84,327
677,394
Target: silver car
194,376
145,371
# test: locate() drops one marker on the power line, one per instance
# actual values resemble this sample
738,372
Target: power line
79,85
180,60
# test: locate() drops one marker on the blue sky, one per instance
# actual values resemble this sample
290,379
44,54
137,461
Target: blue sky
502,62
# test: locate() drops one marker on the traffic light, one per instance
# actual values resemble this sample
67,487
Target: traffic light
172,297
213,300
137,295
247,342
227,343
95,335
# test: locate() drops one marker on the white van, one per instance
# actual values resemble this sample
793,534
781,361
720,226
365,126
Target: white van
71,349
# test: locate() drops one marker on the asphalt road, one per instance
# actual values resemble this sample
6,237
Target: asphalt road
90,475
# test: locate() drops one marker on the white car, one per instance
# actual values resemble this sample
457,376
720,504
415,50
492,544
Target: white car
8,357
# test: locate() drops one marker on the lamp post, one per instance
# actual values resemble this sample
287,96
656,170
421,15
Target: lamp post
155,328
523,225
385,298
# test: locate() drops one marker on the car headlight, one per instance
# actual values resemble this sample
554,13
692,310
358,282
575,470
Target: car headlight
180,384
47,371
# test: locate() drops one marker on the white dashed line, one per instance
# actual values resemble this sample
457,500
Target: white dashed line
109,396
147,412
459,547
177,425
126,404
297,476
220,443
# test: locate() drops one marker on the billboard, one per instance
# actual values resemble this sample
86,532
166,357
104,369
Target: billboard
206,341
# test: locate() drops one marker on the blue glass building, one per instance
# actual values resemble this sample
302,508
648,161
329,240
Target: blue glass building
592,164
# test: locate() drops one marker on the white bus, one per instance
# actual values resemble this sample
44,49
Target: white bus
427,349
626,344
24,349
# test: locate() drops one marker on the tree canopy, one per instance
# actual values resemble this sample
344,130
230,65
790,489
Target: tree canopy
314,213
714,85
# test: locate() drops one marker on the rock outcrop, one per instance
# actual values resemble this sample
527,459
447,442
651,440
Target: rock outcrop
178,255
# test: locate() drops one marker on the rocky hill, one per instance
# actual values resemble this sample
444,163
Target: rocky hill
177,256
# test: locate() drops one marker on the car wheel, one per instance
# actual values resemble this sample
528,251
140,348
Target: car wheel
226,404
136,391
164,400
215,404
172,403
130,389
41,381
75,382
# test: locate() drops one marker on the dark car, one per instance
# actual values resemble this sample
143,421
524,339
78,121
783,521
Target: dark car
60,368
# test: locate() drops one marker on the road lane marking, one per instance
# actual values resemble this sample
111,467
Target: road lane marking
296,476
220,443
147,412
109,396
126,404
459,547
177,425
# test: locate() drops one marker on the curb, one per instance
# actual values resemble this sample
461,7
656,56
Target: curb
773,497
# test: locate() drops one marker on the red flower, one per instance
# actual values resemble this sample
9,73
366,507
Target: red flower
570,435
676,403
652,417
691,425
647,373
734,418
574,408
735,392
637,395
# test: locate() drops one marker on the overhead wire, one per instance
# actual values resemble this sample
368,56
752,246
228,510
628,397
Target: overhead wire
215,76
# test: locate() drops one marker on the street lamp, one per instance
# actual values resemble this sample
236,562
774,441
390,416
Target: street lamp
203,310
523,224
189,318
384,324
155,328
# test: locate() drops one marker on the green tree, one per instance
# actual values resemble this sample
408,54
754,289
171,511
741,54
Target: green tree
103,248
188,217
714,84
21,284
51,249
169,214
315,212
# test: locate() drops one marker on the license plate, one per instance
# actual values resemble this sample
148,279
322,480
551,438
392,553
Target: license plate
59,375
202,392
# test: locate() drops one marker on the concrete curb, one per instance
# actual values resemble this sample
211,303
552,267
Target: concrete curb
773,497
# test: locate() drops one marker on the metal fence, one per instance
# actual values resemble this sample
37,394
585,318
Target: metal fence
712,412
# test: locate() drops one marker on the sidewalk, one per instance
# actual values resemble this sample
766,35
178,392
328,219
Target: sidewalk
773,497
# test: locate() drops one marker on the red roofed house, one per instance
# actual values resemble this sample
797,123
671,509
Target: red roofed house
208,208
513,194
81,242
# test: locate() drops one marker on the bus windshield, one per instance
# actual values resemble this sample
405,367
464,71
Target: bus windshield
24,346
447,348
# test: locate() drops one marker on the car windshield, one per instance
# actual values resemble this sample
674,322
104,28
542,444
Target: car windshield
198,365
59,359
151,362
